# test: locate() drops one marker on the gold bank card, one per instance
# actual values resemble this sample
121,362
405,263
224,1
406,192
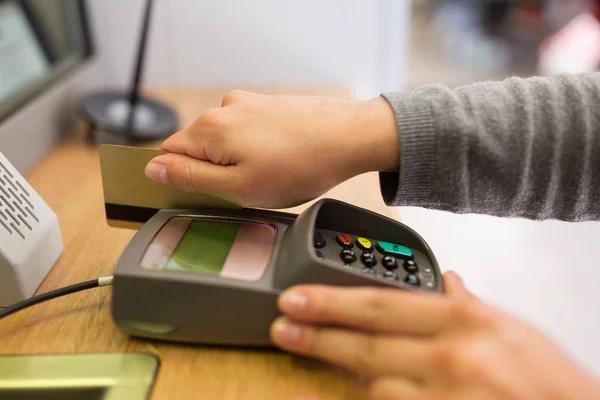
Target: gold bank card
131,198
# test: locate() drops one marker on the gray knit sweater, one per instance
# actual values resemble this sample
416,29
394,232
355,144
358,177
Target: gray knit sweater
526,148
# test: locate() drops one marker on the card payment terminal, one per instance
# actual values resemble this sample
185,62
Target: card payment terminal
212,276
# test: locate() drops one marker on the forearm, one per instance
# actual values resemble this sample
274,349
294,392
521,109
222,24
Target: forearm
520,148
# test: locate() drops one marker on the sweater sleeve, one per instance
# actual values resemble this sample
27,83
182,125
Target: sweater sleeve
522,147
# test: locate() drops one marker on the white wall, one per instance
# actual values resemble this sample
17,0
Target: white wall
358,43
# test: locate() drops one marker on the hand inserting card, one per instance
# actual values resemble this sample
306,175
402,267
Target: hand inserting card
131,198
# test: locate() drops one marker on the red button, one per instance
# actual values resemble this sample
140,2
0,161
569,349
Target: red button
344,241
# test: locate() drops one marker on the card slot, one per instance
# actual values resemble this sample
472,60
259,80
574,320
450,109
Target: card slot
11,183
17,230
27,201
32,214
15,195
23,189
25,222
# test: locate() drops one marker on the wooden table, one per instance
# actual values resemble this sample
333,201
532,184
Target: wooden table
68,179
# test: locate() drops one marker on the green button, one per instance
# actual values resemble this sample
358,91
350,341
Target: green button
394,249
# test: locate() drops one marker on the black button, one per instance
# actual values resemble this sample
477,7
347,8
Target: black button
369,271
412,280
319,240
389,263
390,275
320,254
348,256
345,241
368,259
411,267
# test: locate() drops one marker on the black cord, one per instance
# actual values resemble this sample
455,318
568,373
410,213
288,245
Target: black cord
78,287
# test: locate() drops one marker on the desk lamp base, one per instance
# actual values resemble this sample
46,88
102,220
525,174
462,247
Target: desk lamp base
112,113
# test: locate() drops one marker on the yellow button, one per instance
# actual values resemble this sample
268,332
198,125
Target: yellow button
364,244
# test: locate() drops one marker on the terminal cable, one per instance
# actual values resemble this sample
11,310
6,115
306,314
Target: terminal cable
78,287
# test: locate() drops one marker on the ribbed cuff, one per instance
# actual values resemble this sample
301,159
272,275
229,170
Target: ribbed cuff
413,184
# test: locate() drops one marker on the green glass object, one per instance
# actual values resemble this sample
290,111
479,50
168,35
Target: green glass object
110,376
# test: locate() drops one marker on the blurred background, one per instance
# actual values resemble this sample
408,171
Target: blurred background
461,41
356,47
57,56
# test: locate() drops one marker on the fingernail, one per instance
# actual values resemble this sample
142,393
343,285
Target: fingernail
293,301
157,172
287,333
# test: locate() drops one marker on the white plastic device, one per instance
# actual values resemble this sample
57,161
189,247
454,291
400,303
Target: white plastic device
30,238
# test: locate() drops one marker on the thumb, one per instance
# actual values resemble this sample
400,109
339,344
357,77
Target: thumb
454,285
192,175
